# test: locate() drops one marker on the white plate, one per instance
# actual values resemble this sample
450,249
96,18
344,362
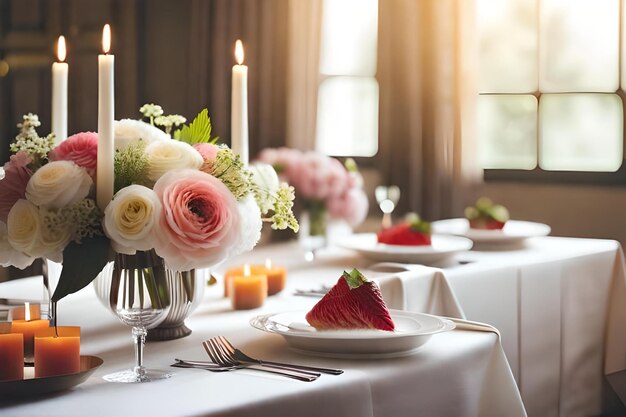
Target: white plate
442,248
514,231
412,331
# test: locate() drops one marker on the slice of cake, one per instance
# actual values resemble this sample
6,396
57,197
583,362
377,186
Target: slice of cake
486,215
412,233
352,303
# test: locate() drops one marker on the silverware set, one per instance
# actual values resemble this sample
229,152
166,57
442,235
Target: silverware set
225,357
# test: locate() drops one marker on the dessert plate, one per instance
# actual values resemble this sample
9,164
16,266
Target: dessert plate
412,331
514,231
30,386
442,248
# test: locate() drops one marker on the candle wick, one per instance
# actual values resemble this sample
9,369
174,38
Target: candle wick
56,331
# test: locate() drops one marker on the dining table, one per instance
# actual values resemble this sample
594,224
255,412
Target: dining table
462,372
559,304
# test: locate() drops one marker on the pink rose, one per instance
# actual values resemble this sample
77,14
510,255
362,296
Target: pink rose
351,207
199,226
13,185
82,149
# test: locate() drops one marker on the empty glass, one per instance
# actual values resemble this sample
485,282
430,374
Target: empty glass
139,297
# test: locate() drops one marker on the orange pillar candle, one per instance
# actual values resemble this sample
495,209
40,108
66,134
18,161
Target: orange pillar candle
28,328
248,291
57,354
239,272
11,356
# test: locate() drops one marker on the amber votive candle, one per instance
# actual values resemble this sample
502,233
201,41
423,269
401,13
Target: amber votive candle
239,272
29,328
247,291
57,351
276,277
11,356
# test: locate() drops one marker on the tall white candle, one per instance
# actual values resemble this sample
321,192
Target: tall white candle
239,106
59,94
106,110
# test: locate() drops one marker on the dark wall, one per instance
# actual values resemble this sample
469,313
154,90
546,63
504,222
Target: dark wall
175,53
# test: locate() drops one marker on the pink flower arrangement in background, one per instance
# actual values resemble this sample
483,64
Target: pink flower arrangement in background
319,178
16,177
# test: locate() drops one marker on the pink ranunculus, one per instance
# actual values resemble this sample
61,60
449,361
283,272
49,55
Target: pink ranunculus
13,185
199,225
82,149
351,207
208,151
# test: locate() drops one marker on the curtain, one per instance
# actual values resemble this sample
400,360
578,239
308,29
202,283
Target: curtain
303,72
263,27
427,103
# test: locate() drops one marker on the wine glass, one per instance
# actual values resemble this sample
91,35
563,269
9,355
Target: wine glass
387,198
139,298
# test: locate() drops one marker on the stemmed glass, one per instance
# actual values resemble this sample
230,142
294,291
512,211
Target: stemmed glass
139,298
387,198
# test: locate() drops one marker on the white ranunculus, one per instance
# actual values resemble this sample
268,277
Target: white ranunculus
58,184
131,217
129,131
164,156
9,256
250,225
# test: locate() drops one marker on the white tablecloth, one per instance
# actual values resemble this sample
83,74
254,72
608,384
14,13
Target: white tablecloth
459,373
559,303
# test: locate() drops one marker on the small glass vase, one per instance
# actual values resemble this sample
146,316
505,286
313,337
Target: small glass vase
313,229
139,297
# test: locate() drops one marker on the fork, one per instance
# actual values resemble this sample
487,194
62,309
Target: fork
242,357
217,355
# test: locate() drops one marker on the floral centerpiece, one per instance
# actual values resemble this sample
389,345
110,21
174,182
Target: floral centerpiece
326,187
187,198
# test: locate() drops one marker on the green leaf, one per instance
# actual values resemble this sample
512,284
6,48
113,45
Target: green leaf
81,264
198,131
354,278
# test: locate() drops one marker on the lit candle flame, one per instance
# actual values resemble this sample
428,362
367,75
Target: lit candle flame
106,38
27,311
246,270
268,263
61,51
239,52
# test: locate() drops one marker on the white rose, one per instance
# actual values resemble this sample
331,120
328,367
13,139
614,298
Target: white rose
250,225
164,156
27,233
131,217
128,131
58,184
9,256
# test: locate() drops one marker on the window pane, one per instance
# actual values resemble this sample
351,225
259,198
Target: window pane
580,132
579,45
507,34
349,34
507,128
347,116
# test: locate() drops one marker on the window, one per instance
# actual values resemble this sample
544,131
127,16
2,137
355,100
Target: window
549,82
347,103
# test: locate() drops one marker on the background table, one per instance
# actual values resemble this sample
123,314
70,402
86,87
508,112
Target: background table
459,373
